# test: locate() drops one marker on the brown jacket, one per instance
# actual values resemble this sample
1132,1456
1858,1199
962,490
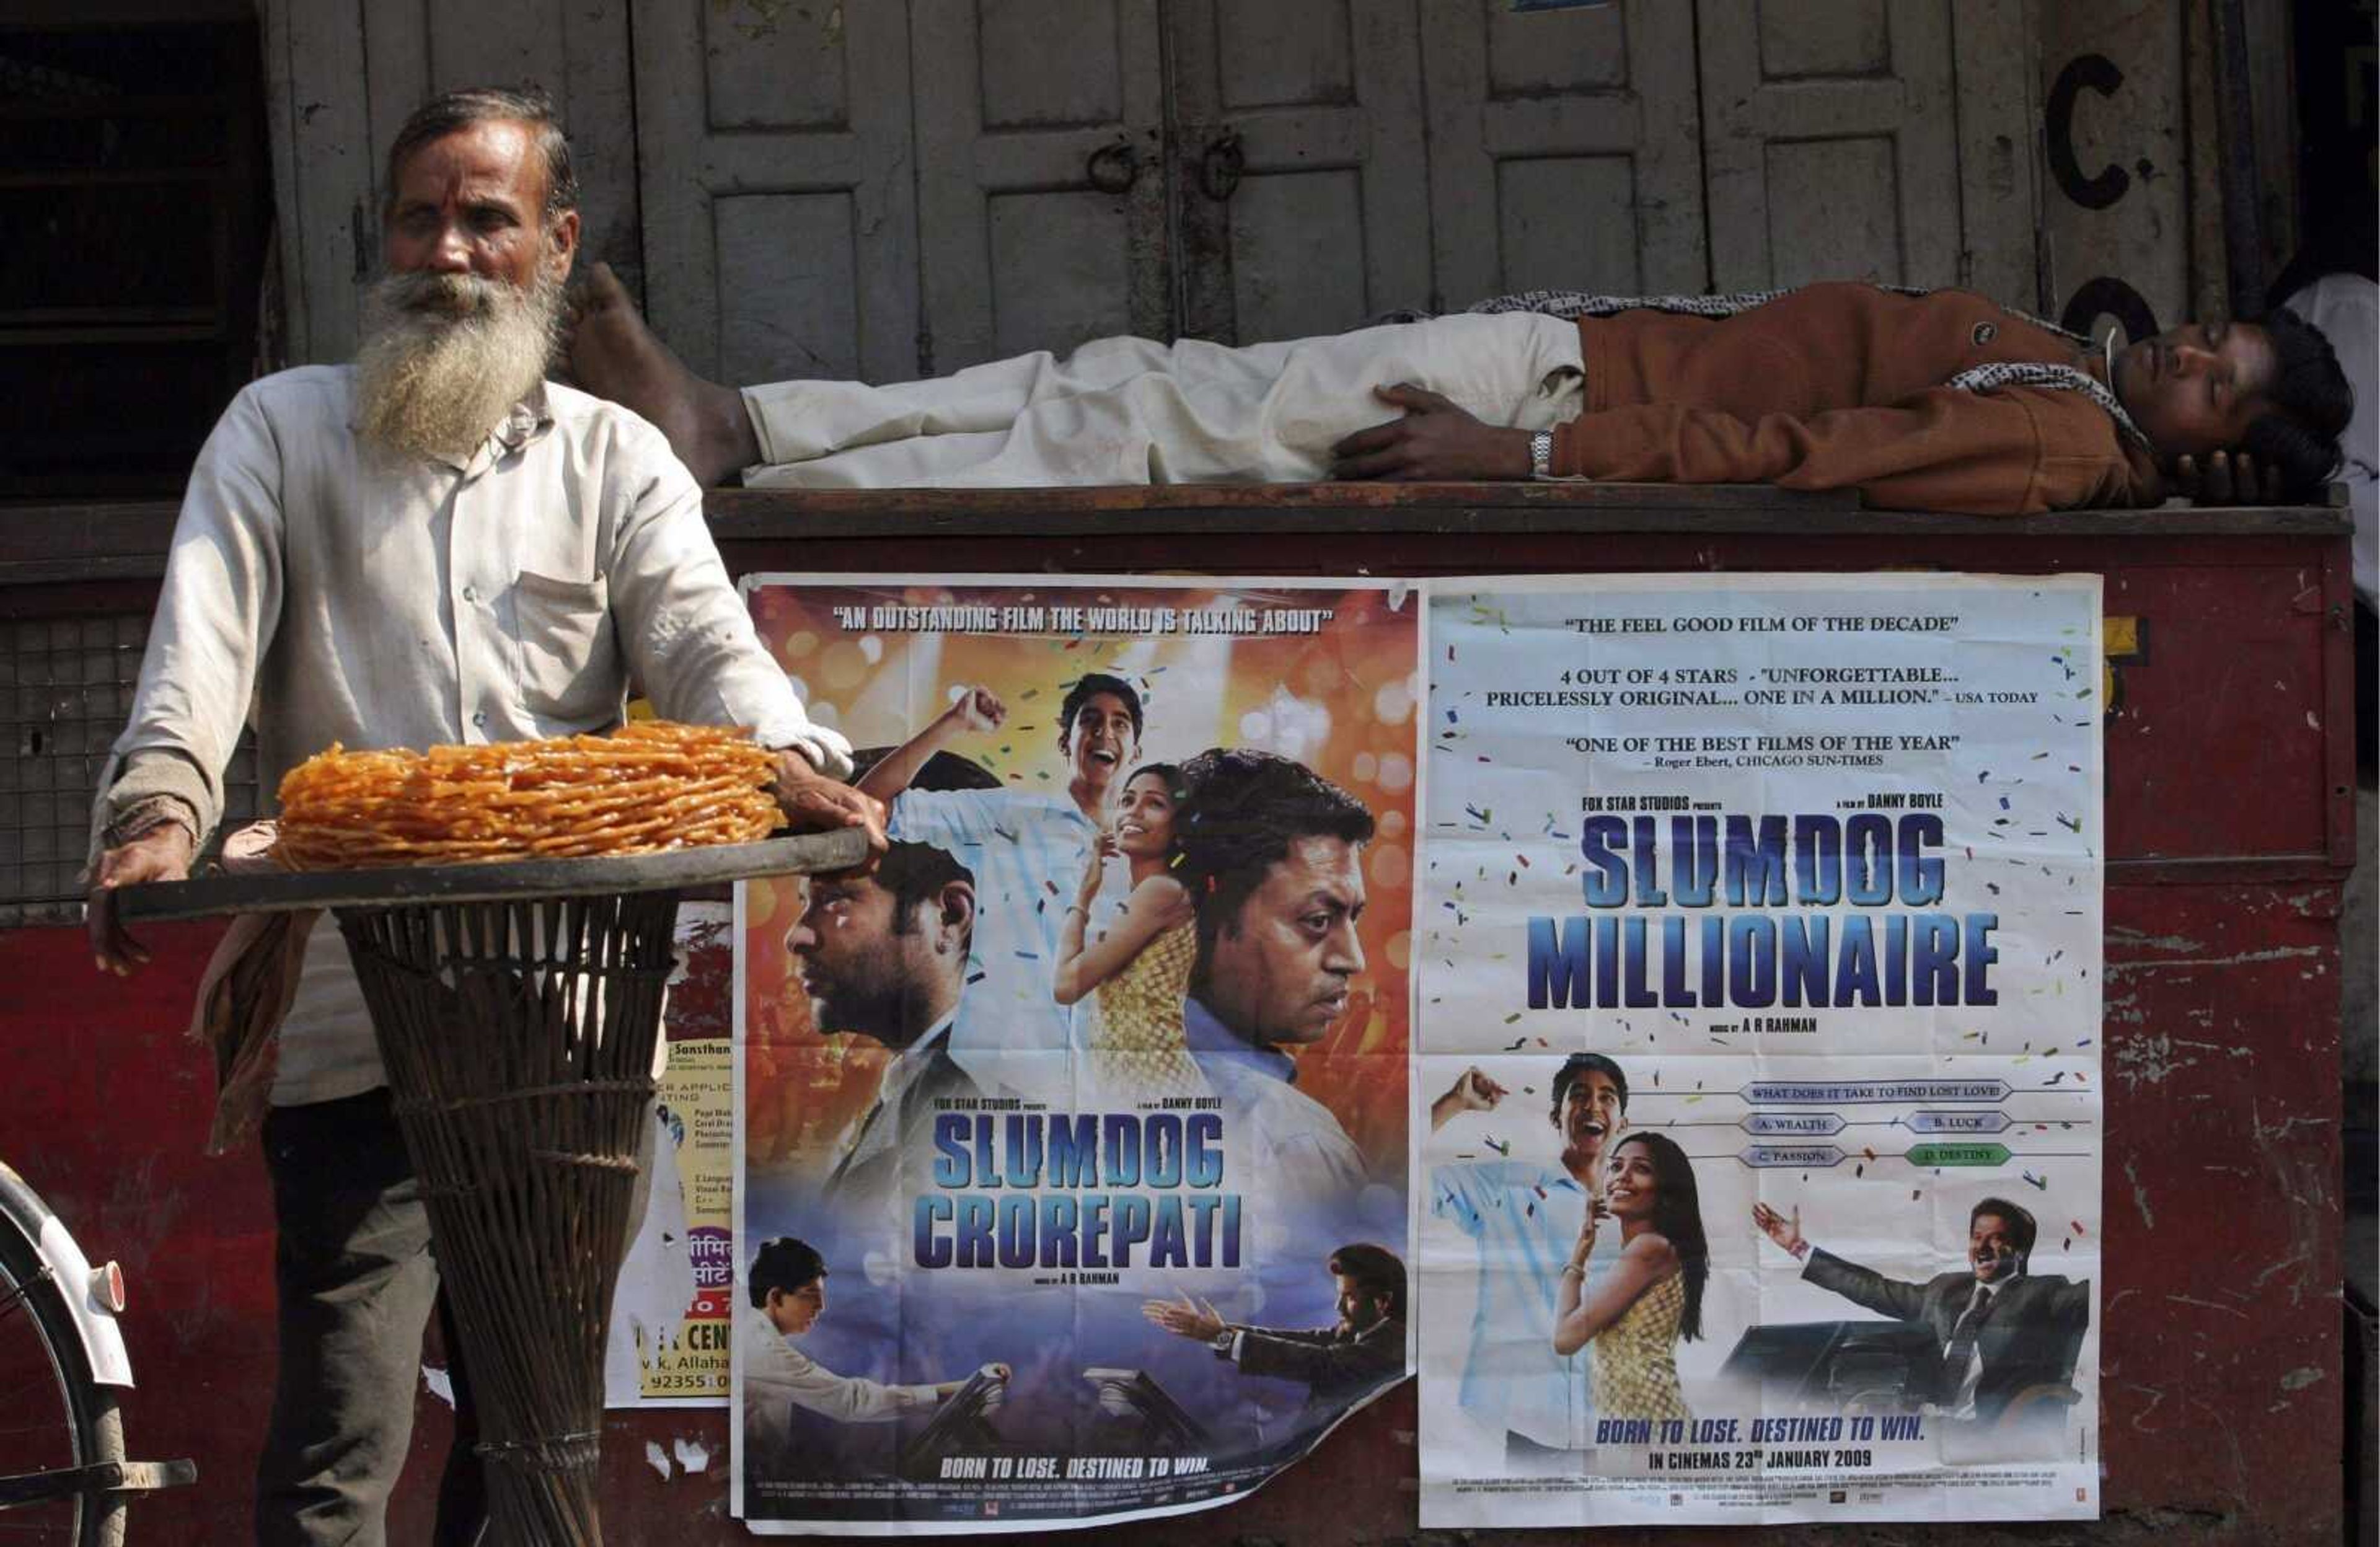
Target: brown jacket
1840,386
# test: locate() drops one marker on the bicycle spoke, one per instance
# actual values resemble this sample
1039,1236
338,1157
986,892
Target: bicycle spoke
43,1391
38,1381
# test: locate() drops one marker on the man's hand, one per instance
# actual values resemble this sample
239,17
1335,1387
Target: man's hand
2228,478
977,710
1087,892
1435,442
1473,1091
1196,1319
1785,1232
814,802
162,853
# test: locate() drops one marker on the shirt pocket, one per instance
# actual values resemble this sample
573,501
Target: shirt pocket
569,660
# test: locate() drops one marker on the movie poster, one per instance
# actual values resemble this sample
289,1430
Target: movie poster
1072,1154
1757,1116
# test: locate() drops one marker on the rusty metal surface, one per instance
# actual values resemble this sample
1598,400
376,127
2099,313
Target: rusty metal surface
2222,1328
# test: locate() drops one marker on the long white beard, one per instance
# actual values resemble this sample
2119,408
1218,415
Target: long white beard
446,356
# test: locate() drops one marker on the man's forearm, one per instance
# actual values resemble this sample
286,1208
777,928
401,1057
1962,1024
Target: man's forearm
892,773
1862,1286
152,785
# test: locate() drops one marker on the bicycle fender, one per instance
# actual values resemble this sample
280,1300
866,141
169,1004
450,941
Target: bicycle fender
102,1340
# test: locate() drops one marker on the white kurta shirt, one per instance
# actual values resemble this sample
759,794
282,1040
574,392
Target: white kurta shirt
2346,307
779,1377
326,592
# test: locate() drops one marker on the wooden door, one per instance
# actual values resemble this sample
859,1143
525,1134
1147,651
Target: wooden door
780,210
1564,149
1301,176
1040,177
1840,143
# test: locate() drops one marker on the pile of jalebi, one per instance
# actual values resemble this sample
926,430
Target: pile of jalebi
650,786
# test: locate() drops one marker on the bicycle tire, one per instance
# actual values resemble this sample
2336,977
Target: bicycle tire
88,1415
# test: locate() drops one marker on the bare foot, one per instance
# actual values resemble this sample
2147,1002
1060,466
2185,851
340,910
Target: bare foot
614,355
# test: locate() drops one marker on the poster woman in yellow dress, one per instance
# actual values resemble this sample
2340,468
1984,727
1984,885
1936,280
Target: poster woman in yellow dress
1140,965
1653,1295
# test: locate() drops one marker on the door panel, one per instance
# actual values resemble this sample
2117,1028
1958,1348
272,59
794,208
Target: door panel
1829,132
789,312
1843,143
1299,165
1059,273
1564,149
1041,183
780,216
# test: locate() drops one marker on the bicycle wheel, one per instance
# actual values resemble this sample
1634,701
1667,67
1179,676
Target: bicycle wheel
52,1415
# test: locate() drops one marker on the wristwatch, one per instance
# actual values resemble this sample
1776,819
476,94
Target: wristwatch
1541,453
1221,1341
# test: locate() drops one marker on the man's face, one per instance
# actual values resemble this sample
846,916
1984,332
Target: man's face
473,202
1278,971
796,1312
1358,1307
856,969
1991,1248
460,329
1100,739
1592,1116
2196,388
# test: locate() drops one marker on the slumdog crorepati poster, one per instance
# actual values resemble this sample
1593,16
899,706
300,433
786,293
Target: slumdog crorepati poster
1757,1113
1072,1156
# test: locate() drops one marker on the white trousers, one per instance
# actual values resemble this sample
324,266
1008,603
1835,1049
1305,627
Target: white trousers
1127,410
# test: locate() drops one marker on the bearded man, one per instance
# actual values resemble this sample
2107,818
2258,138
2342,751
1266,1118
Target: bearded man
433,544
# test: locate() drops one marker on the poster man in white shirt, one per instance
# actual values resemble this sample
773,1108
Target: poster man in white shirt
788,1296
1525,1217
1023,846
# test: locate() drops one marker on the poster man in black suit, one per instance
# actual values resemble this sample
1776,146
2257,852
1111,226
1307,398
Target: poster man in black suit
2001,1330
1341,1364
884,954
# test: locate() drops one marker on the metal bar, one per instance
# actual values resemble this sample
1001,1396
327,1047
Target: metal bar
498,881
2243,190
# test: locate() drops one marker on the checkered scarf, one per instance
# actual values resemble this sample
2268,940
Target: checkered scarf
1981,378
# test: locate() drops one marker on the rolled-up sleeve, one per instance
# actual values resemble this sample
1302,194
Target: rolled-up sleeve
844,1398
215,617
688,635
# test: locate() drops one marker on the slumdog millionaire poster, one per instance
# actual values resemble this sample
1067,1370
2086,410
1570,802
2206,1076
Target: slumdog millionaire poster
1071,1162
1757,1125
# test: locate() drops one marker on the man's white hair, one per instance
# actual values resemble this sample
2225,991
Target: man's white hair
447,355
